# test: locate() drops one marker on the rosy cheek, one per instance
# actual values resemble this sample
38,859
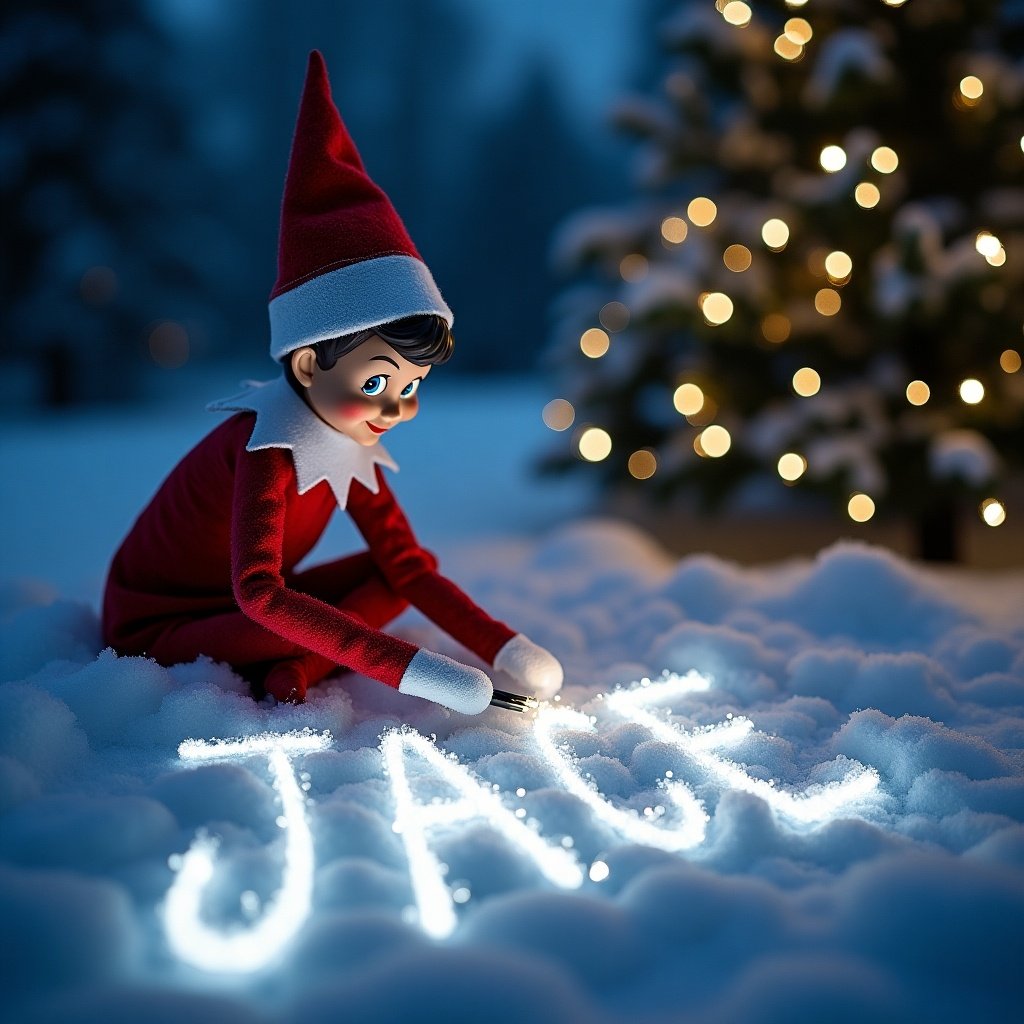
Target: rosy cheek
352,410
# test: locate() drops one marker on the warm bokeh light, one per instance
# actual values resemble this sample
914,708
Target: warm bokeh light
169,345
787,49
715,441
792,466
701,211
860,508
838,266
867,195
833,158
987,244
558,414
717,307
1009,361
776,328
633,267
806,382
827,301
737,258
642,465
594,343
798,30
884,160
993,511
614,316
674,229
972,391
688,399
918,392
795,3
998,258
737,13
971,87
595,444
775,233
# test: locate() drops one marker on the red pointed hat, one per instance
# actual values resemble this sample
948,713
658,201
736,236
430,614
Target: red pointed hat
345,261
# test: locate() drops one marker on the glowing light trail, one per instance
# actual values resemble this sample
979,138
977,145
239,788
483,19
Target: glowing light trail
251,948
689,831
814,805
413,818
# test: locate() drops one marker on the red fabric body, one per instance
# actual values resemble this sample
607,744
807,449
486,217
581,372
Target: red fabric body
332,213
209,568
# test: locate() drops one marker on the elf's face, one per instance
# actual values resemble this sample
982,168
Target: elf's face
367,391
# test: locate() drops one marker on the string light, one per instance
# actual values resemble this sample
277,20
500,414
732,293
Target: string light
248,949
688,399
798,30
595,444
832,158
806,382
993,512
717,307
674,229
787,49
918,392
614,316
1010,361
987,244
838,266
594,343
702,211
972,391
860,508
737,258
715,441
827,301
998,259
642,465
792,466
971,88
795,3
775,233
776,328
414,818
737,13
558,414
884,160
867,195
633,267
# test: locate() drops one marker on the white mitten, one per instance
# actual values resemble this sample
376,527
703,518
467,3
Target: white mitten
447,682
537,669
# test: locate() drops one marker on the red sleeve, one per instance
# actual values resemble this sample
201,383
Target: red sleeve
411,571
257,532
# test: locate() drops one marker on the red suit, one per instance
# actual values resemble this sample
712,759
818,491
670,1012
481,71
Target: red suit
209,568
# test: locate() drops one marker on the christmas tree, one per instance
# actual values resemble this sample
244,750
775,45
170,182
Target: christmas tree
821,284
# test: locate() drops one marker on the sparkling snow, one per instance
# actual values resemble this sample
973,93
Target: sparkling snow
905,906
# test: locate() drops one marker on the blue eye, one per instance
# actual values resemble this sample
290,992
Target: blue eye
410,389
375,385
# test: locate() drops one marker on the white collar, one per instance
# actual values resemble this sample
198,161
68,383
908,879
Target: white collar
319,452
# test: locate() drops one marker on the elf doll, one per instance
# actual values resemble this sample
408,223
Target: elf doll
357,324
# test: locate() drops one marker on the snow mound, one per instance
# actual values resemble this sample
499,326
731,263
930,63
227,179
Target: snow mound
855,669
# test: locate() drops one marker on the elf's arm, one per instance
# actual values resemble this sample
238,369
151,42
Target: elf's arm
412,572
257,543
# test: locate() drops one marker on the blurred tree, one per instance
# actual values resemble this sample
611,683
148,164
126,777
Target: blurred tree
106,238
529,167
822,285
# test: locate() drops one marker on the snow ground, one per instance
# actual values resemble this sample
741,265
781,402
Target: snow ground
906,905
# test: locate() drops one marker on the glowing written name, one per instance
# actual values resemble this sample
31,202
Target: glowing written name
677,824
